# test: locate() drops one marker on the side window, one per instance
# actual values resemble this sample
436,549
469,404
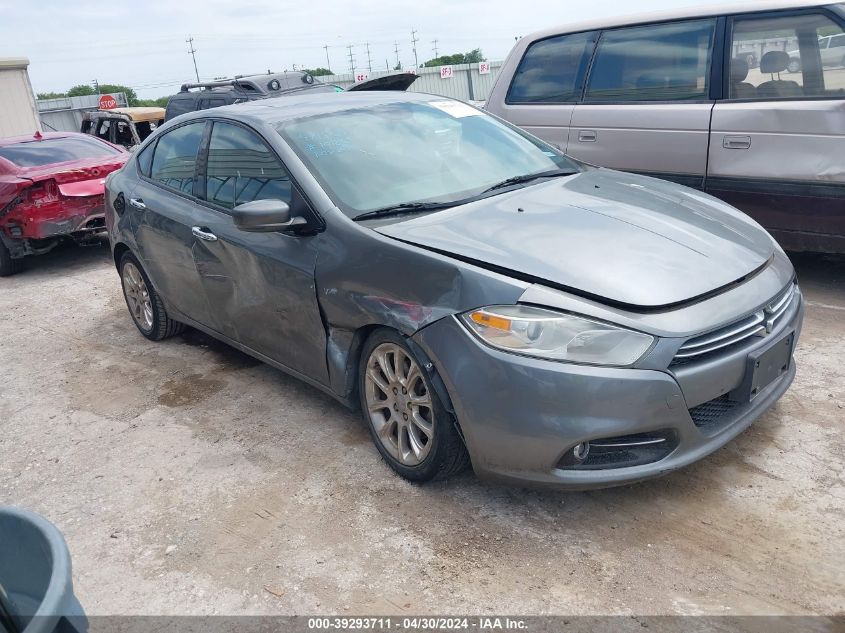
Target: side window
550,70
241,168
145,159
787,57
104,129
175,157
657,62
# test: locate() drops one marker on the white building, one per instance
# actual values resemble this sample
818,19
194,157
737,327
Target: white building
18,114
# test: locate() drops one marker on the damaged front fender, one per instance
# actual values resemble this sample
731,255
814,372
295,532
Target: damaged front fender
366,280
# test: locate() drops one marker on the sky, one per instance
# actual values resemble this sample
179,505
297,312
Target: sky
142,43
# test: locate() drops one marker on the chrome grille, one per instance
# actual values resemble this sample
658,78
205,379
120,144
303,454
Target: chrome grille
756,324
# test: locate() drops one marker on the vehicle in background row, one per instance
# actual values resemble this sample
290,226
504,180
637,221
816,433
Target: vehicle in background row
470,289
832,49
126,127
51,188
201,96
661,95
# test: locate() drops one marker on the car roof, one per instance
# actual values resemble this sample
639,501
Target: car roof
285,108
677,14
139,113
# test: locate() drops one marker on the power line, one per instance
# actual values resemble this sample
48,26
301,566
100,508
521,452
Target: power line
351,59
396,50
328,61
435,47
190,42
369,59
414,41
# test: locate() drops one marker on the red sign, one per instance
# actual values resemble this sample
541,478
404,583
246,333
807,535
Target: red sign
446,72
107,102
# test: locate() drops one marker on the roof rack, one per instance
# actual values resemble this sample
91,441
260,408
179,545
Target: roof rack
234,81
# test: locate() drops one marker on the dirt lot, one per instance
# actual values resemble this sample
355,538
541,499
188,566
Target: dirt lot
188,478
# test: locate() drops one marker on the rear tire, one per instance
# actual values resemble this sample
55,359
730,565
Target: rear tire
410,426
145,306
794,66
8,265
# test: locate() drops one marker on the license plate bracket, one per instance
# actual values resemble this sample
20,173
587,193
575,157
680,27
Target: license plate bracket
763,367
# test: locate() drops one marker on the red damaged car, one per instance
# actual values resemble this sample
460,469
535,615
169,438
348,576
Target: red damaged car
51,188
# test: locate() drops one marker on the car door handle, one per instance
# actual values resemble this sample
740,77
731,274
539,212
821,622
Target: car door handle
137,203
587,136
736,142
203,233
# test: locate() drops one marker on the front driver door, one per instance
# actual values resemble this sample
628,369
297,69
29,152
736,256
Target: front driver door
260,286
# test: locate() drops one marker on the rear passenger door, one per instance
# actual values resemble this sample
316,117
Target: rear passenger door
777,140
647,102
546,85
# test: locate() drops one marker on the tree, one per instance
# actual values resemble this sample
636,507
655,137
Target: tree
318,72
80,91
472,57
50,95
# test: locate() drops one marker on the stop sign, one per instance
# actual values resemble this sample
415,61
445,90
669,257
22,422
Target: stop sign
107,102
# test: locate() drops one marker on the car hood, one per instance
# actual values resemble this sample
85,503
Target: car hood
398,81
619,238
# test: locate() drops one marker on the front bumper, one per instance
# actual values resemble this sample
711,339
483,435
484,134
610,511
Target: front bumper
521,417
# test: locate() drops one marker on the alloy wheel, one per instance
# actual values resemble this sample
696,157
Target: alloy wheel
399,404
137,296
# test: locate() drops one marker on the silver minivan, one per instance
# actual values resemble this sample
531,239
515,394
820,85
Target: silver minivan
711,98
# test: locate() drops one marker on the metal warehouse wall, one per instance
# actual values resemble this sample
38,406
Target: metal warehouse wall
18,115
466,82
65,114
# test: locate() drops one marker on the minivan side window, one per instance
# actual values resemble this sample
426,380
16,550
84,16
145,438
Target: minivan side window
551,70
145,159
657,62
241,168
787,57
175,158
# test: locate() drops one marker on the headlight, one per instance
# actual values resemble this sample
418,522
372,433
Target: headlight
556,336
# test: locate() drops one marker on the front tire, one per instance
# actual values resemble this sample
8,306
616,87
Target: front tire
410,426
794,66
145,306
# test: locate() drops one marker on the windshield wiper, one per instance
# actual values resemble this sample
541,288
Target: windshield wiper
516,180
404,208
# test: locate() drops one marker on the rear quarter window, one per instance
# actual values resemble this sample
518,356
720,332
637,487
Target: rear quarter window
56,150
551,70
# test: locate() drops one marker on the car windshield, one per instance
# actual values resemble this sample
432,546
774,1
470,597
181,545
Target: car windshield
392,154
55,150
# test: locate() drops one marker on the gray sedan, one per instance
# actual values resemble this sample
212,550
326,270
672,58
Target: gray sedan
480,297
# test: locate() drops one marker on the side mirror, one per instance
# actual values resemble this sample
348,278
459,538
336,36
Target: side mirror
265,216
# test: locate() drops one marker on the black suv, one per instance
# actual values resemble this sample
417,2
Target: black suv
201,96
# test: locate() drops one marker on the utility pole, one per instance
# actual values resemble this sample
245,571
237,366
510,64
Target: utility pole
192,51
396,50
369,59
414,41
351,60
96,86
435,47
328,61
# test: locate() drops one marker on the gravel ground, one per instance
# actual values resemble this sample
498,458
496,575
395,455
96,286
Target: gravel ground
189,478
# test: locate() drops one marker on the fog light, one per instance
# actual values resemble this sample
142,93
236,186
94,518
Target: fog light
581,451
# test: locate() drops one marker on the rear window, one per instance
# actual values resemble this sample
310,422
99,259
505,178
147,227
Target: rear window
55,150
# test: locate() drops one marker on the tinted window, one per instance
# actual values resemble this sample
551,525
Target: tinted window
795,57
428,151
175,157
838,42
658,62
550,70
55,150
145,159
241,168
